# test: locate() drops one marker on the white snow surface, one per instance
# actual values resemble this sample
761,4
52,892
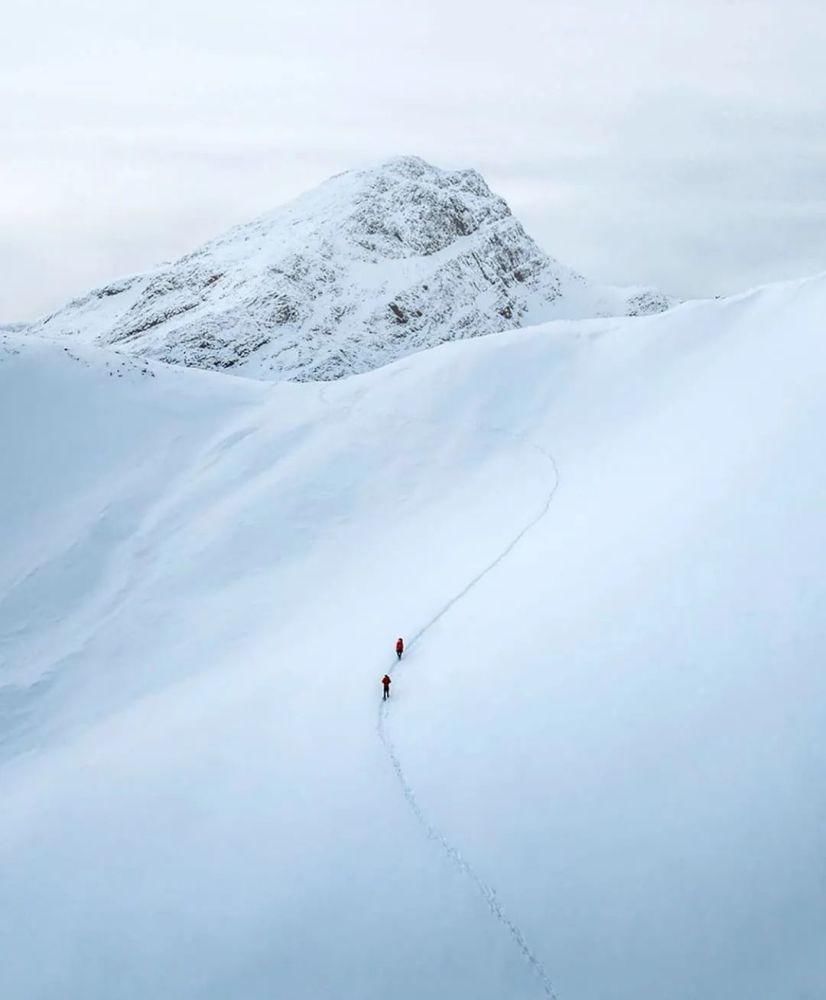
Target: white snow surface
369,267
600,775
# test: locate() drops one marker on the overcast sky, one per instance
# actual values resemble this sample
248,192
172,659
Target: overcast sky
674,142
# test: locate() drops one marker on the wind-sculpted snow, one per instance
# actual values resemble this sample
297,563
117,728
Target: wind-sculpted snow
371,266
608,728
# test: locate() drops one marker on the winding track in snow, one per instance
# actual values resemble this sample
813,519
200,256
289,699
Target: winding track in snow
487,891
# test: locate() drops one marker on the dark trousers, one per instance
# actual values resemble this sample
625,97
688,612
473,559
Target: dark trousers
399,653
386,692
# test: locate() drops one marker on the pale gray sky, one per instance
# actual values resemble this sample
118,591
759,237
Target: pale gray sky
679,142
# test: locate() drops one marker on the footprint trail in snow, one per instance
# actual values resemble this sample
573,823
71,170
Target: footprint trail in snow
487,892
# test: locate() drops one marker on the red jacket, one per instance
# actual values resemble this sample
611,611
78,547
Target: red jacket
400,646
386,681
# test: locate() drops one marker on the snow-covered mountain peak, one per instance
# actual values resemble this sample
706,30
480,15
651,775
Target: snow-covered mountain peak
407,207
366,268
404,207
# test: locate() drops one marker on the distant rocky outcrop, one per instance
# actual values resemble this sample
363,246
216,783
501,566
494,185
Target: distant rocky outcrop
368,267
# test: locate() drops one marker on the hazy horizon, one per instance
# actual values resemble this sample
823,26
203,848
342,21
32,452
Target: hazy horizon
673,147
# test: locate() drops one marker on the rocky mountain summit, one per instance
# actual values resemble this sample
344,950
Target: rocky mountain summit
370,266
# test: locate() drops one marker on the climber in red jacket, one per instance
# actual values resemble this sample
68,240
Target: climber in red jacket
386,685
399,647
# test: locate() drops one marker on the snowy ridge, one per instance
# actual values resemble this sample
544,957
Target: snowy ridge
617,721
369,267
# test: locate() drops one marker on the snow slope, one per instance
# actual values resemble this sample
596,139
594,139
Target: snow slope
367,268
601,772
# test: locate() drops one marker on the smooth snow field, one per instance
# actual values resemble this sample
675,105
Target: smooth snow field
602,771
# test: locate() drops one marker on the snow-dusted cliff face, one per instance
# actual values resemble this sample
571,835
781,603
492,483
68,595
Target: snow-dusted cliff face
370,266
